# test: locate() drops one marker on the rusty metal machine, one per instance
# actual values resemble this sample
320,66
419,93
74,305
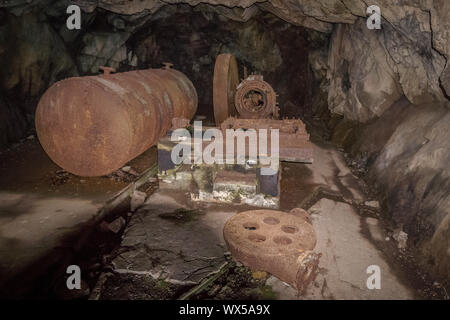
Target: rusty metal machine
256,99
294,145
252,104
253,98
91,126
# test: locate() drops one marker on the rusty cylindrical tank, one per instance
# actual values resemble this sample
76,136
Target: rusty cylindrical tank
91,126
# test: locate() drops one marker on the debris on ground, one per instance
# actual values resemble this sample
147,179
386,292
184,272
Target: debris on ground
114,226
137,200
232,281
180,215
130,170
401,238
125,174
117,225
60,178
357,163
259,275
372,204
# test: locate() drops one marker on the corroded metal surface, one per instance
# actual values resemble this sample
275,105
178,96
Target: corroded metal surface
91,126
255,99
276,242
294,144
226,80
286,125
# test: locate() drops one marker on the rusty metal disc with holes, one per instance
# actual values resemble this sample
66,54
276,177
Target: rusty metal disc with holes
276,242
255,99
226,80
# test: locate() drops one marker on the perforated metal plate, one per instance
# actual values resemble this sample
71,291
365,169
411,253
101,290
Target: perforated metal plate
274,241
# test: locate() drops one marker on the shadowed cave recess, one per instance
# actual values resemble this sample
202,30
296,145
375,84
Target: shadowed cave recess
381,96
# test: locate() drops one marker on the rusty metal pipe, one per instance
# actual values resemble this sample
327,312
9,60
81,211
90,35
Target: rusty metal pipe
92,126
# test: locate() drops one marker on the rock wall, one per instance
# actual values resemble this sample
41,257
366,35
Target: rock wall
362,82
390,86
413,168
371,69
13,123
32,57
407,153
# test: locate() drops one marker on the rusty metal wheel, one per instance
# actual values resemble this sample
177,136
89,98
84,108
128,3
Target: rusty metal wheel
226,80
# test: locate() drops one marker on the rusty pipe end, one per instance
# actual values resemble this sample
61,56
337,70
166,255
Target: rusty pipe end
167,65
107,70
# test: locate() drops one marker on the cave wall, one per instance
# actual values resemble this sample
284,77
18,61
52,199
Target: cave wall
406,151
417,31
413,167
32,57
191,39
387,90
390,87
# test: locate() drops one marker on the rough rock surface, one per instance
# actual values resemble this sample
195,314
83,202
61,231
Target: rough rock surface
408,161
371,69
9,132
35,56
362,84
32,57
413,165
102,49
195,251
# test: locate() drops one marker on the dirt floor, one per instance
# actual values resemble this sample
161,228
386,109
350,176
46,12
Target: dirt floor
43,209
173,248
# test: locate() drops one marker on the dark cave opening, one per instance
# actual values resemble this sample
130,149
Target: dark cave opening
192,38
